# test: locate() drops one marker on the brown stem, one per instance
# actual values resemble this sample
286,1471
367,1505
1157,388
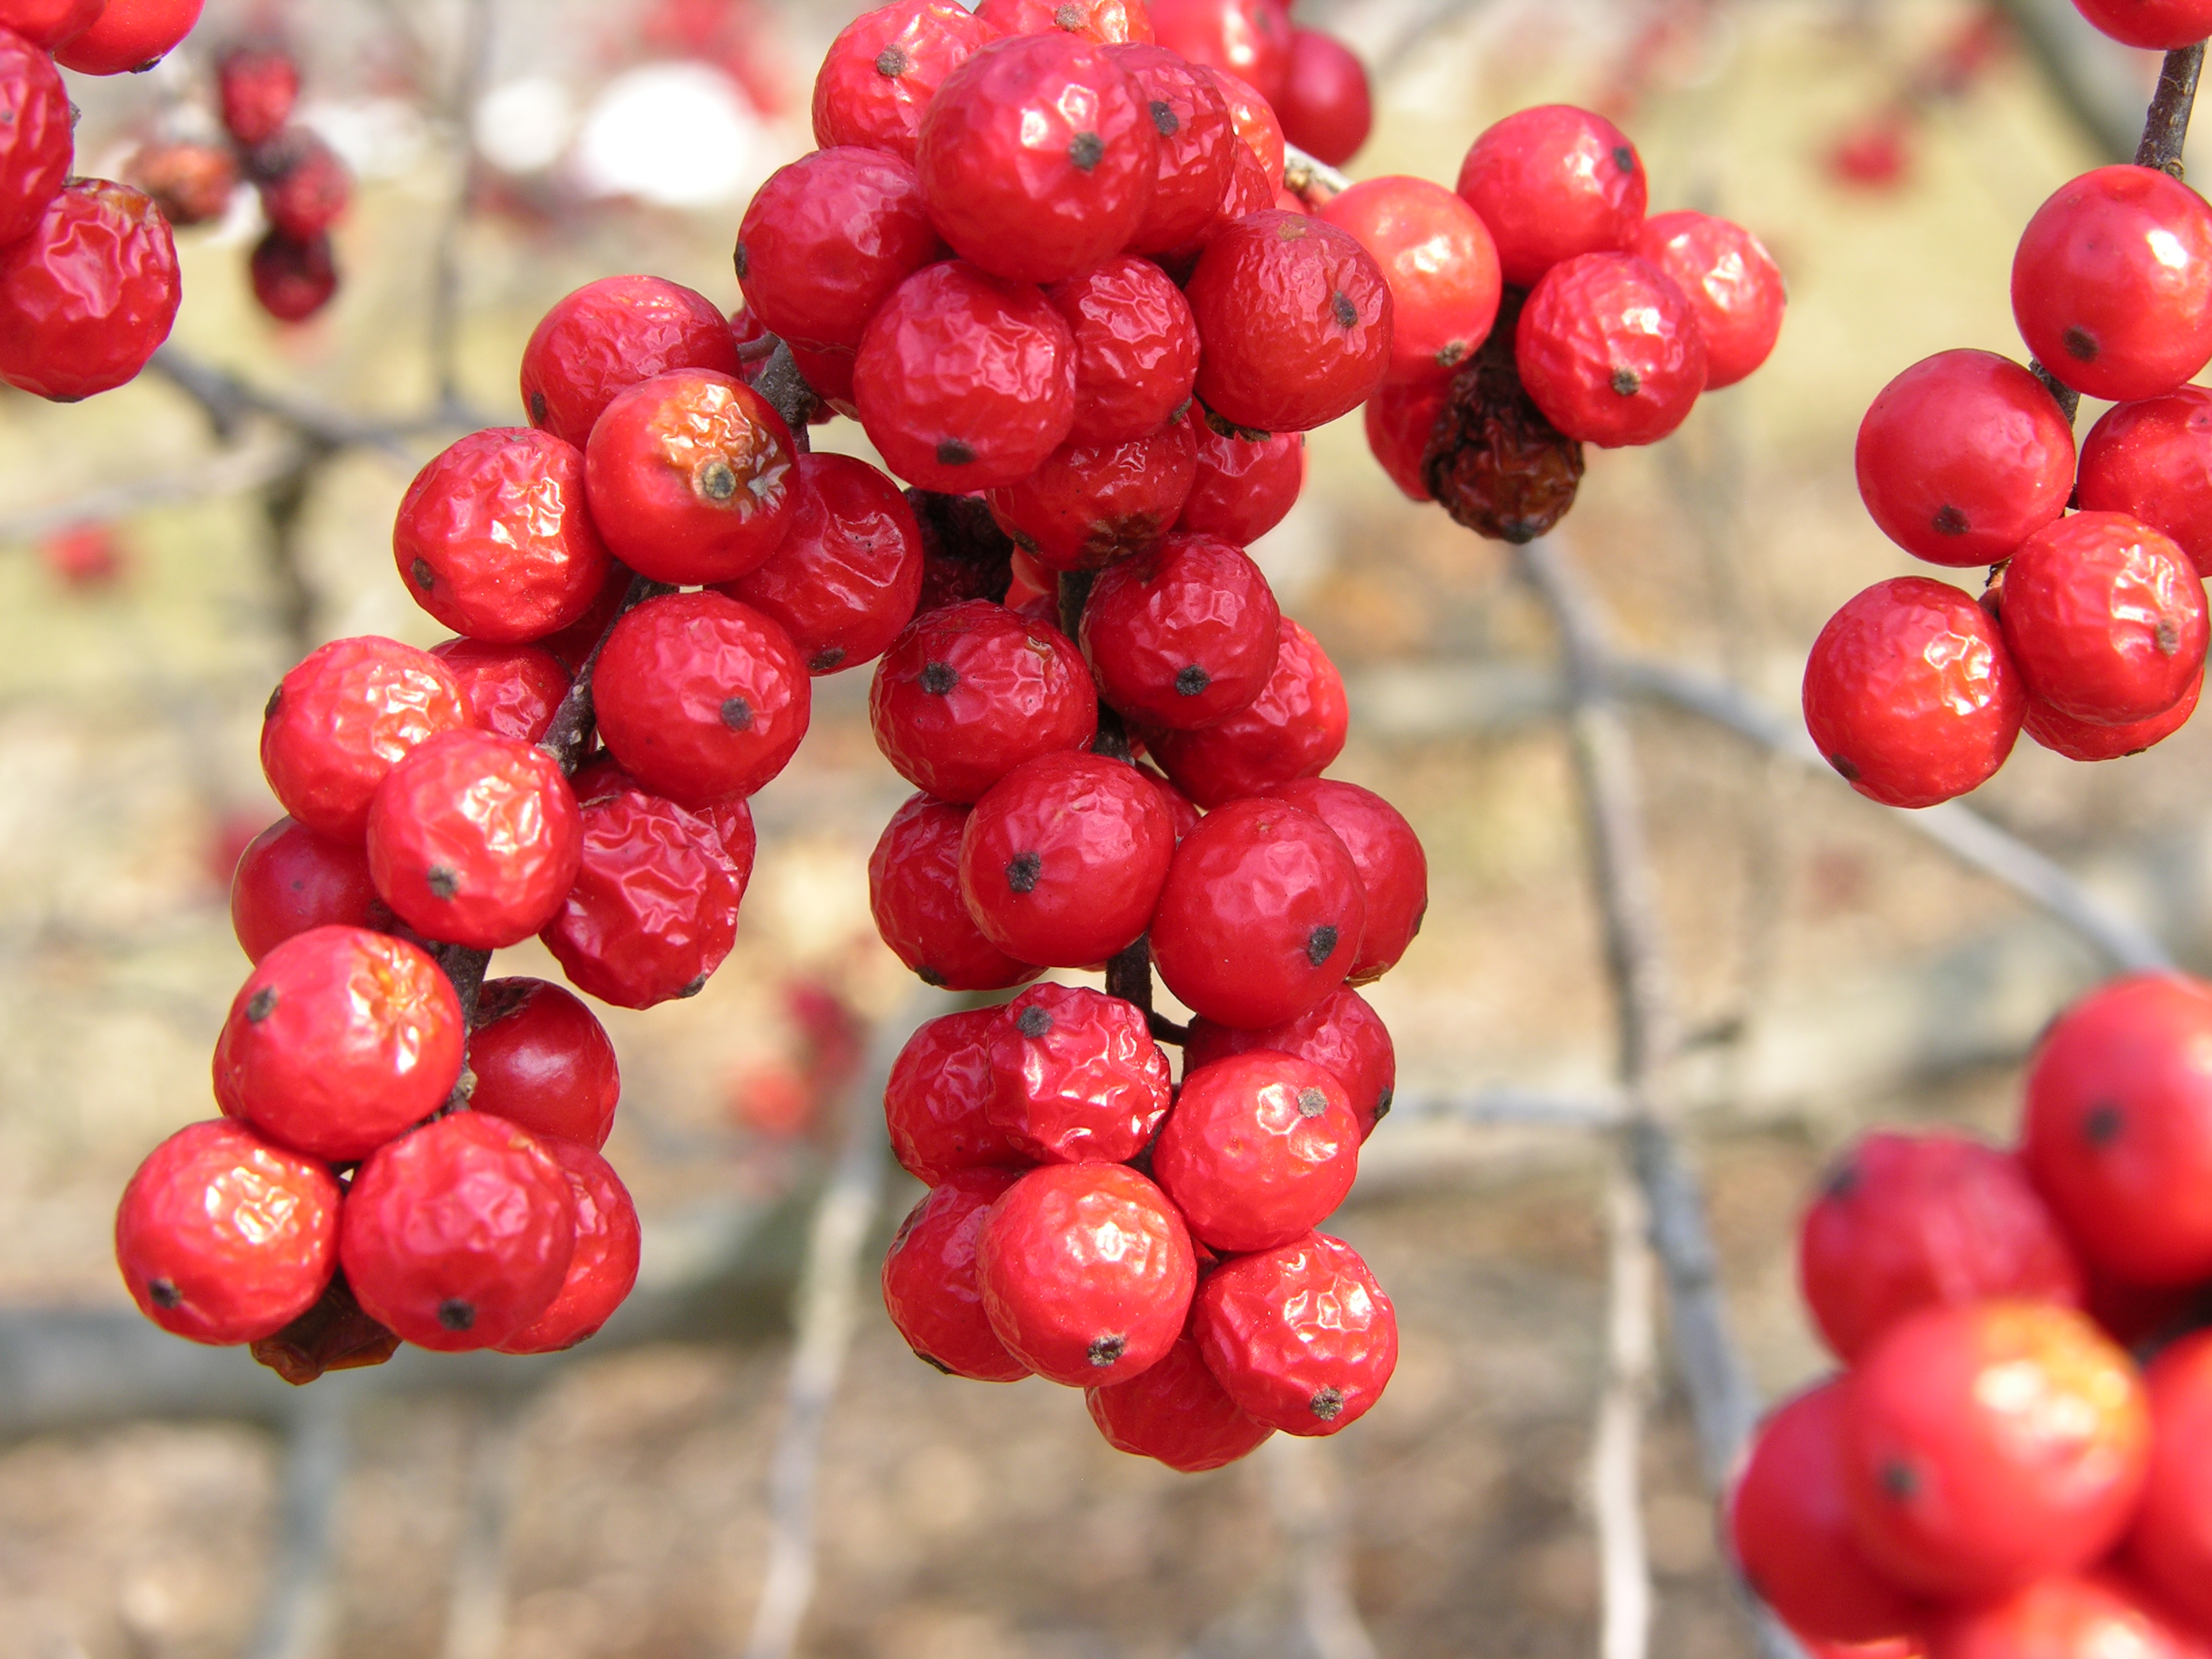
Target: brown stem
2167,124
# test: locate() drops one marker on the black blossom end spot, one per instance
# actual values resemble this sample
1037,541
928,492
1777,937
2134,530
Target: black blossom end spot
1847,768
1192,681
443,880
275,702
718,480
823,661
1321,945
952,451
1327,1405
893,62
938,678
1105,1350
1033,1022
1452,356
1625,382
2167,636
693,988
1165,121
1086,151
2102,1123
2080,344
737,713
163,1292
1312,1102
1346,314
1949,521
424,577
1899,1480
1624,158
261,1005
1069,17
930,977
1843,1181
743,262
1383,1102
1021,873
539,409
934,1363
456,1314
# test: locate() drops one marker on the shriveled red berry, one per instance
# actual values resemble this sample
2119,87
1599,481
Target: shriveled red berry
1076,1076
1087,1271
1394,872
1294,317
1246,484
1136,348
1261,916
1293,729
128,36
37,144
1911,693
191,183
1248,38
1102,22
1088,505
290,879
1441,267
937,1104
256,87
828,238
511,690
2081,740
700,698
293,280
572,647
223,1237
1176,1415
493,538
459,1235
1184,637
1906,1221
305,188
89,294
2111,285
1553,182
654,909
1301,1336
1731,281
914,892
46,23
1963,457
542,1060
1611,349
345,717
1196,148
1341,1034
2055,1617
1260,1149
971,691
883,70
930,1284
2171,1543
610,335
603,1265
339,1040
2153,461
1326,108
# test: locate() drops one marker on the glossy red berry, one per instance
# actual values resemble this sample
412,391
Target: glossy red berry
930,1284
256,87
2100,1612
828,238
2111,285
1293,729
1102,22
1963,457
2171,1544
1245,484
1611,349
290,879
305,188
1136,349
293,280
1076,1076
339,1040
2157,25
542,1060
37,144
654,909
2080,740
513,691
937,1104
222,1238
1255,121
2153,461
1261,916
1441,267
1393,871
1087,1271
1327,107
1911,693
46,23
1248,38
1260,1148
87,296
603,1265
128,36
914,892
609,336
883,70
1088,505
1341,1034
1176,1415
572,647
1294,317
344,718
459,1235
1731,281
1553,182
1197,145
1184,636
1301,1336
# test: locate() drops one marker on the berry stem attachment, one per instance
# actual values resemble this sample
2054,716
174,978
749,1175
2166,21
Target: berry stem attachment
1312,181
784,386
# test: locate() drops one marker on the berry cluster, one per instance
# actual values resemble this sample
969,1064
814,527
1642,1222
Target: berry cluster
1993,1474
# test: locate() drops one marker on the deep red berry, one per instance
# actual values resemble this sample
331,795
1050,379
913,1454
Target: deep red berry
459,1235
1401,420
654,909
1904,1222
2170,1545
340,1039
937,1101
1260,1149
1246,484
1300,1336
1197,145
1185,635
222,1238
964,381
1254,118
1180,807
1295,318
1176,1413
1248,38
2100,1612
2153,461
2157,25
128,36
37,145
1730,281
930,1286
1963,457
1394,872
1327,107
883,70
1611,349
305,188
542,1060
493,538
1553,182
1136,349
1341,1034
572,647
191,183
828,238
828,371
914,892
971,691
1076,1076
87,296
1910,694
1441,267
513,691
1293,729
293,280
610,335
1087,1271
256,88
2111,285
1088,505
1262,915
345,717
603,1265
2080,740
289,879
46,23
1102,22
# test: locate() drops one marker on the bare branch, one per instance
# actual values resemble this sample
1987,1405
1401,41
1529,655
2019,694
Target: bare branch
476,1605
1623,1572
299,1606
468,89
228,472
1311,180
2166,124
1308,1501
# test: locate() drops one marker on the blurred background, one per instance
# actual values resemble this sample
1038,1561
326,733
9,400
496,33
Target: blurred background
1834,966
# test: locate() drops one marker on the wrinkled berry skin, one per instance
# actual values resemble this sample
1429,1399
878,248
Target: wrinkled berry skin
1296,318
1248,38
513,691
1730,281
1102,22
654,909
256,87
224,1238
1293,729
1245,486
828,238
1341,1034
1301,1337
1551,183
1076,1076
701,698
87,296
1441,267
36,144
1963,457
1087,1271
2153,461
1611,349
937,1102
1262,915
46,23
1197,145
459,1235
609,336
882,72
339,1040
930,1287
2111,285
1184,636
290,879
1175,1413
1327,107
128,36
1393,871
603,1265
1260,1149
2080,740
293,280
571,647
913,893
1136,349
493,540
1911,693
542,1061
1491,459
345,717
1088,506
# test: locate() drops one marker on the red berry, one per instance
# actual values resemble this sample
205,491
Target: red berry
1260,1149
1176,1413
1295,318
603,1265
610,335
1136,349
913,891
191,183
930,1286
1553,182
1262,915
700,698
1300,1336
293,280
1441,267
1197,147
2080,740
1254,118
2172,1543
1184,636
971,691
1963,457
1091,505
1611,349
1076,1076
344,718
1904,1222
571,647
128,36
2065,1618
305,187
1394,872
87,296
2111,285
1326,109
512,689
290,879
459,1235
1910,694
339,1040
1293,729
828,238
37,146
493,538
1341,1034
1731,281
1246,484
222,1238
654,909
1087,1271
2157,25
964,381
2153,461
46,23
1102,22
256,87
1248,38
542,1060
883,70
937,1102
828,371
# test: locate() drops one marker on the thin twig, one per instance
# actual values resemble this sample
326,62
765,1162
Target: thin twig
468,89
1311,180
299,1606
1617,1455
228,472
2166,124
